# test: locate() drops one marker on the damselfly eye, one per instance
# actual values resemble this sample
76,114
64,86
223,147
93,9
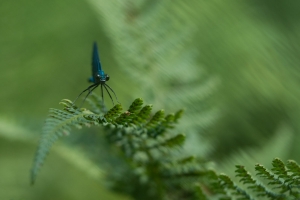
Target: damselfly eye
107,77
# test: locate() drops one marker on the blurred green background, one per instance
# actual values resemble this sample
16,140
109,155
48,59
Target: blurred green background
249,49
45,56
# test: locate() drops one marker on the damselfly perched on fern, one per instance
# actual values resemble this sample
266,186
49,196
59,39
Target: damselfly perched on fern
155,168
145,139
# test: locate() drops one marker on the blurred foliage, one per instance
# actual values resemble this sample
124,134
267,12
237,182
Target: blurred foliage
232,65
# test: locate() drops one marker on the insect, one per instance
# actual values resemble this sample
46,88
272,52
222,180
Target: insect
98,78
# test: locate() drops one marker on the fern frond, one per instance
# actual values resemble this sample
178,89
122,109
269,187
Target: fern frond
174,141
232,188
255,186
294,169
158,116
134,129
142,116
60,122
282,177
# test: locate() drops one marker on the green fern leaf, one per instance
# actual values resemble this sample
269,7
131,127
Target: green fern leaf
177,140
136,105
157,118
143,115
60,122
284,178
294,169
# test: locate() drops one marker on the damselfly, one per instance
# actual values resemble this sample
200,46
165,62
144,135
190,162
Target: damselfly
98,78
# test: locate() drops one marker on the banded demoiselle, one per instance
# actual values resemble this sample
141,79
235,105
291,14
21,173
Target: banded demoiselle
98,78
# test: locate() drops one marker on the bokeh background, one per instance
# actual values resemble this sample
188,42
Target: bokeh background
232,65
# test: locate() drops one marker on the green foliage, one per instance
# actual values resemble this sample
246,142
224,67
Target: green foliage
281,182
155,167
154,38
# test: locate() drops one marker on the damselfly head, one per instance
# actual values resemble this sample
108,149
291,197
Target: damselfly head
102,78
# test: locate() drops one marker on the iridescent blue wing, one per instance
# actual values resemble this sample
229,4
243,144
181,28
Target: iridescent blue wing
96,65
